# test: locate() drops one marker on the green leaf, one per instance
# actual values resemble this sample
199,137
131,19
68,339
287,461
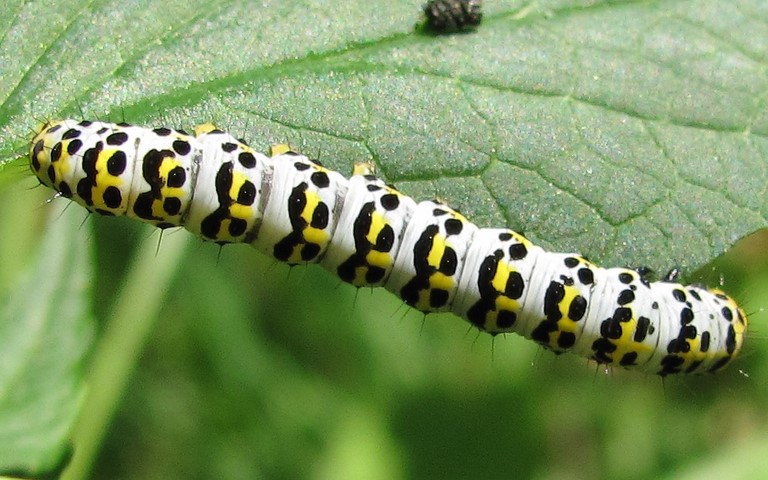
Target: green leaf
632,132
45,332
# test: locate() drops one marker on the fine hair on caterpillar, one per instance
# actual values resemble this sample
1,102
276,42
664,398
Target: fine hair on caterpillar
370,234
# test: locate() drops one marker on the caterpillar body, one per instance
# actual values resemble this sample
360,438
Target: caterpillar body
370,234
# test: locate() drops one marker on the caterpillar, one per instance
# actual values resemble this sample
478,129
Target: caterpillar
445,16
370,234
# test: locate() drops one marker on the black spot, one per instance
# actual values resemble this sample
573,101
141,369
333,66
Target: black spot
552,297
670,364
476,314
422,248
679,295
374,275
346,271
586,276
485,274
209,227
113,197
56,153
611,329
449,262
385,240
686,316
642,329
360,229
693,293
162,131
74,146
296,203
36,149
389,201
237,226
625,278
571,262
506,319
453,226
64,190
117,138
176,177
320,216
626,297
438,298
320,179
410,293
283,249
69,134
172,206
541,333
629,358
246,159
705,340
228,147
578,308
730,340
84,191
247,193
566,340
116,163
515,286
309,251
622,314
182,147
89,160
517,251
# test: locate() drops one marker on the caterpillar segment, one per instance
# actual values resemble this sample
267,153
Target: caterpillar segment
430,261
370,234
376,216
492,300
228,189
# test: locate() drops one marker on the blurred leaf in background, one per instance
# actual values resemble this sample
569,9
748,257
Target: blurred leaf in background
45,332
632,132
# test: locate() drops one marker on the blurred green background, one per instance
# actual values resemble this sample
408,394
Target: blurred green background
257,370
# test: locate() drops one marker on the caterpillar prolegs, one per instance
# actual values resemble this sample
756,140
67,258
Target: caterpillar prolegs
370,234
